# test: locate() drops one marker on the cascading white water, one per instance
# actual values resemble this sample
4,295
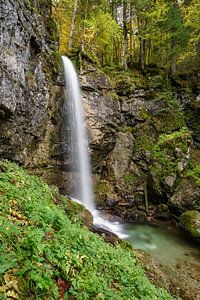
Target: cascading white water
80,153
79,139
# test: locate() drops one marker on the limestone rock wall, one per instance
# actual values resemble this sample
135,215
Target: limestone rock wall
141,143
30,98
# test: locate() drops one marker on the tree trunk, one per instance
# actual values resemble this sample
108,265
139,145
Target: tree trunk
85,18
173,59
142,47
72,26
146,195
131,33
124,45
148,56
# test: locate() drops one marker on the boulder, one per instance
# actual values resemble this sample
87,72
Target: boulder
190,222
185,197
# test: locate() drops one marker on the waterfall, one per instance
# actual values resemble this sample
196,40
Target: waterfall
79,140
83,191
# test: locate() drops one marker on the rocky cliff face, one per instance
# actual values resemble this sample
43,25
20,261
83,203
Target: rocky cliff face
141,143
29,98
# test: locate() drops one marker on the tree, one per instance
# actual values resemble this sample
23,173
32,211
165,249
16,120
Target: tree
102,34
191,56
125,34
161,32
72,25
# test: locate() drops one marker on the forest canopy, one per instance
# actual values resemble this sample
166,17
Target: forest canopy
159,33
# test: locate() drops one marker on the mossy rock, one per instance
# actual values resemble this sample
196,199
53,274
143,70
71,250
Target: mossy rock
190,222
169,120
76,212
186,196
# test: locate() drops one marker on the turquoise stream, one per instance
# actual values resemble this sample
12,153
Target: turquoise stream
164,244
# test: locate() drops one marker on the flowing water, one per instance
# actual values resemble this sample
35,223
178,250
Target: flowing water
79,142
83,190
163,243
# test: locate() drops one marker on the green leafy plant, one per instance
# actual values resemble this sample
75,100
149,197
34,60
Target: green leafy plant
48,256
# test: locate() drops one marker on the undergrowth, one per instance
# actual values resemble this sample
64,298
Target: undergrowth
45,255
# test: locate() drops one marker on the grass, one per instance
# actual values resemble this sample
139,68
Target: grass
46,253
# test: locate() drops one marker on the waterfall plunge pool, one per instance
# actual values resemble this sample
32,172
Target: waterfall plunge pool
178,256
164,244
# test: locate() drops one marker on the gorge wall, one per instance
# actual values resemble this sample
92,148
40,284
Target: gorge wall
30,97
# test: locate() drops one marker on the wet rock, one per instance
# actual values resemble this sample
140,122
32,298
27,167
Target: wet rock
162,216
185,197
161,213
163,208
111,200
170,180
94,81
154,187
142,208
133,111
190,222
180,166
120,157
137,216
108,236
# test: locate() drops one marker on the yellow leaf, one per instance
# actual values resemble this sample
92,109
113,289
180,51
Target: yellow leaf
11,282
3,289
12,294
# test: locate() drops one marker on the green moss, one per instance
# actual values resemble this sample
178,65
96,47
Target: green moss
125,128
52,29
180,138
156,81
163,153
167,99
146,131
177,137
169,115
129,178
188,220
126,81
52,64
113,95
103,187
168,120
194,174
144,114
